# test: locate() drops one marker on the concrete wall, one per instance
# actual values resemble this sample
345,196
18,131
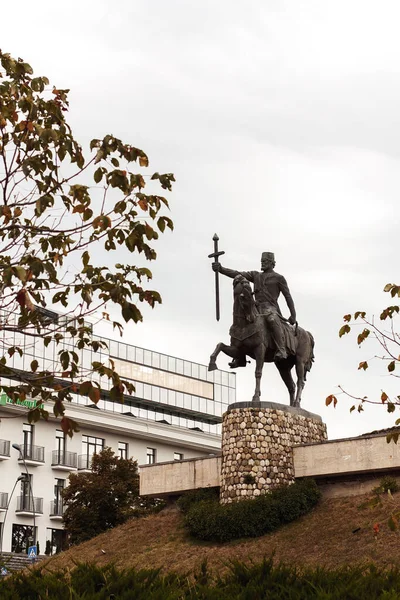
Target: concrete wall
176,477
343,457
341,468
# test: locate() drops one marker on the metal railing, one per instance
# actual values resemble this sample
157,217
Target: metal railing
4,448
64,459
30,452
84,461
27,504
3,499
56,508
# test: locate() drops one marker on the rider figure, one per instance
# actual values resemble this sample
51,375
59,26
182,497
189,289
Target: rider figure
267,287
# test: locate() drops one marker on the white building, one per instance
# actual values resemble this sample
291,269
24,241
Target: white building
174,414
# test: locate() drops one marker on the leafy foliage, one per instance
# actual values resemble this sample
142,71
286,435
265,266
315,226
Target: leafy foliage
387,485
187,500
242,582
209,520
58,212
388,339
101,499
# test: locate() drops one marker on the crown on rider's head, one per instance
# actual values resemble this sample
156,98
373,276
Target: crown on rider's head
268,256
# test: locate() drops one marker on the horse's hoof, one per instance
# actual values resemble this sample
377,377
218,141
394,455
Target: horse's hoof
212,366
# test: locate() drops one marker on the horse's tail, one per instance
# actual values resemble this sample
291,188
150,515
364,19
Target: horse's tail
310,359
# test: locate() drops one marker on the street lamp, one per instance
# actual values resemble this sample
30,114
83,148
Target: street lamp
19,449
20,478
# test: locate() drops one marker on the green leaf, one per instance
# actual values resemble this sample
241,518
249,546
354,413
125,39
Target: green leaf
131,312
359,313
85,258
344,329
161,224
98,174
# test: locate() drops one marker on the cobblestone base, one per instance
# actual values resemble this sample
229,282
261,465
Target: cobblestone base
257,447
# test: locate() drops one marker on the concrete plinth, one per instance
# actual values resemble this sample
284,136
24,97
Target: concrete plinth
257,446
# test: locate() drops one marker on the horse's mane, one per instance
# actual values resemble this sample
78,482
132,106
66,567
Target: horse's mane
243,298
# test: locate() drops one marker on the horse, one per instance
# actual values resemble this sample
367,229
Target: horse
250,337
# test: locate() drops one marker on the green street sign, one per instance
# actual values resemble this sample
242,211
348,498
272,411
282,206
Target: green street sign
4,400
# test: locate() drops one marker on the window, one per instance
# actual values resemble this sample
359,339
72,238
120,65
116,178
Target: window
60,442
151,456
178,456
92,445
26,495
25,485
27,431
23,536
123,450
57,506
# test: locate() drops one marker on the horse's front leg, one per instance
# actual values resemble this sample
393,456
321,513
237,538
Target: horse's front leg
228,350
259,356
300,372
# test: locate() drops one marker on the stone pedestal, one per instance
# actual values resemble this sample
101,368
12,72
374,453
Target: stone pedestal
257,446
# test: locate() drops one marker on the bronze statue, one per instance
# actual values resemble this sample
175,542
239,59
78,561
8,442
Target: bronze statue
260,331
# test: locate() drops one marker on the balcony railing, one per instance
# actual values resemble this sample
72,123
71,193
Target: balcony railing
3,499
27,504
63,458
35,453
84,462
4,448
56,508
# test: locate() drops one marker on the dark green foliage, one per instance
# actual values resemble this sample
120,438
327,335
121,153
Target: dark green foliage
209,520
101,499
387,484
190,498
242,582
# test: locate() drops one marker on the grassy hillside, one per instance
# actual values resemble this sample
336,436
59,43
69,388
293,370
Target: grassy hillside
338,532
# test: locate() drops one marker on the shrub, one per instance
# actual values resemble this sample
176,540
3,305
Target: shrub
242,582
208,520
387,484
190,498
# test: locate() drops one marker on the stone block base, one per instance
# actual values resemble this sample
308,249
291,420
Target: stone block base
257,446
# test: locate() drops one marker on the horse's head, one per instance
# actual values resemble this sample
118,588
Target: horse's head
244,305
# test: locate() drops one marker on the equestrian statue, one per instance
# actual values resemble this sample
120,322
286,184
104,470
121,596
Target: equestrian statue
259,330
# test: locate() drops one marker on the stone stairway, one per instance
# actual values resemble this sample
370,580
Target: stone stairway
17,562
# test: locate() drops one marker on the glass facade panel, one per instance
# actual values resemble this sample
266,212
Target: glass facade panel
183,392
164,379
155,360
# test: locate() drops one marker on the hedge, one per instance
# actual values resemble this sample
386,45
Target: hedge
242,582
208,520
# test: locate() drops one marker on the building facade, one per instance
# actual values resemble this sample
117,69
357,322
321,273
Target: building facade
174,414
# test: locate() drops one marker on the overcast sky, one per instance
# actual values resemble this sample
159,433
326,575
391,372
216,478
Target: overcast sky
281,122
